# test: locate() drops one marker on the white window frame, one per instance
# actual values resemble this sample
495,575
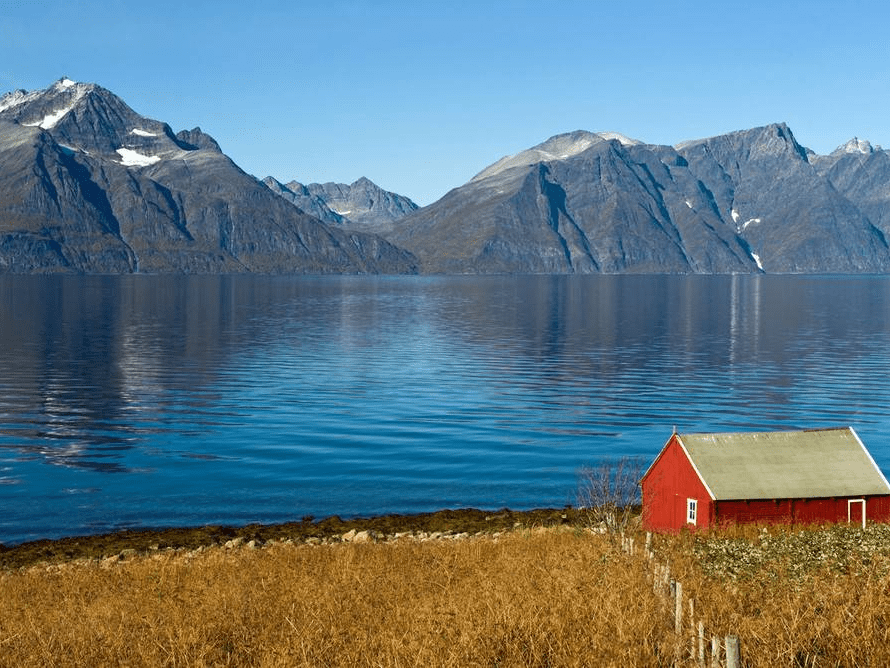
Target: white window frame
692,511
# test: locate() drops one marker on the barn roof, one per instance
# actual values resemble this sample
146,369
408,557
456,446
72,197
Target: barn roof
817,463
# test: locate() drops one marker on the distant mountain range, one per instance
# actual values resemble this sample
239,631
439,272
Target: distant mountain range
583,202
362,205
88,185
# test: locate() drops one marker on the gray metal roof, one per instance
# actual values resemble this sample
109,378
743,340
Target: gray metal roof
785,464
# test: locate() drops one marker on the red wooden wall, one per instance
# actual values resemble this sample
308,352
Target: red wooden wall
802,511
668,483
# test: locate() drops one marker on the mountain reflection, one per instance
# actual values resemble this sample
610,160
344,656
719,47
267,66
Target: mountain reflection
374,394
93,363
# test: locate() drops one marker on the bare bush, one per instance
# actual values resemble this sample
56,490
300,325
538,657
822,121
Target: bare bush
609,493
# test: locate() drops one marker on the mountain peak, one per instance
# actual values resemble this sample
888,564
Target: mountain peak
558,147
64,83
856,146
44,108
767,141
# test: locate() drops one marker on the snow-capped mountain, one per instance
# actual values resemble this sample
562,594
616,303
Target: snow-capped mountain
89,185
856,145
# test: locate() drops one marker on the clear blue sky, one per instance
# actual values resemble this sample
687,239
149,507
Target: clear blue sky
420,96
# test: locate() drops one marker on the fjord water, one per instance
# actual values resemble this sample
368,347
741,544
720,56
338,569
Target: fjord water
150,401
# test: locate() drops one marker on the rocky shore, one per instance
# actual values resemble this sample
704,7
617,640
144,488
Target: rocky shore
440,525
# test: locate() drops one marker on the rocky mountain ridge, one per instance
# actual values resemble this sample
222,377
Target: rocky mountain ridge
361,205
89,185
748,201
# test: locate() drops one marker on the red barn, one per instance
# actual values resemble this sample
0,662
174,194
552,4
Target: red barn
792,477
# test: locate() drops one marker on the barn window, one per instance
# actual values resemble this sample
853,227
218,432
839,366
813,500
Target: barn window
691,511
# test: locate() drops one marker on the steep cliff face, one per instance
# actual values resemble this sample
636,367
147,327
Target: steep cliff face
861,173
790,215
585,202
89,185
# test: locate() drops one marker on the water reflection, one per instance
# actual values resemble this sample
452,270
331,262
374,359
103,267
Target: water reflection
260,397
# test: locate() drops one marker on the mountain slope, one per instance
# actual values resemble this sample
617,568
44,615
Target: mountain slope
586,202
861,173
89,185
608,207
792,217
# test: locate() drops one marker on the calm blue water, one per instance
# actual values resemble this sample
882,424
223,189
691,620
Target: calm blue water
147,401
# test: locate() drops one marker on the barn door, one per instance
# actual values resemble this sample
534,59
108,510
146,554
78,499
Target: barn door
856,510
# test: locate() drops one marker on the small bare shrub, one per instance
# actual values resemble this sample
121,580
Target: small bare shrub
609,493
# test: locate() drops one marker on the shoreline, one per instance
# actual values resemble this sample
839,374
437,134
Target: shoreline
329,529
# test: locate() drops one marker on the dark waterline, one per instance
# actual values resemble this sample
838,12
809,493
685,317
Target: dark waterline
150,401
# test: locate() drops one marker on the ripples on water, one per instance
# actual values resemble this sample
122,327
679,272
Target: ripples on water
155,401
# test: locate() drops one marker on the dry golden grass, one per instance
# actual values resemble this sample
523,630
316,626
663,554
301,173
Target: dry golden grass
529,598
794,596
556,597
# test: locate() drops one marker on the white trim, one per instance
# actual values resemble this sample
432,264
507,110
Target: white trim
850,503
870,458
692,511
694,467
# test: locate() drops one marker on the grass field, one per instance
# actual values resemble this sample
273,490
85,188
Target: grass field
555,596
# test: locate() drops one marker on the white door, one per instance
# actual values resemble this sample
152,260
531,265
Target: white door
856,510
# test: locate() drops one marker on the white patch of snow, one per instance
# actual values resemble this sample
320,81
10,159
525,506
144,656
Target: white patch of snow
748,222
142,133
757,260
51,119
66,83
689,204
14,99
559,147
735,215
856,145
627,141
131,158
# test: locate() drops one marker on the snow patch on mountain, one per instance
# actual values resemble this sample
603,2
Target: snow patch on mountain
131,158
558,147
142,133
16,98
623,139
50,120
856,145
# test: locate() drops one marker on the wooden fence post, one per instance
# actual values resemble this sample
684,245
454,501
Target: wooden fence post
715,652
678,607
701,644
732,652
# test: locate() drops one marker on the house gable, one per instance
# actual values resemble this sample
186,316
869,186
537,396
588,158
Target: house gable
667,487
